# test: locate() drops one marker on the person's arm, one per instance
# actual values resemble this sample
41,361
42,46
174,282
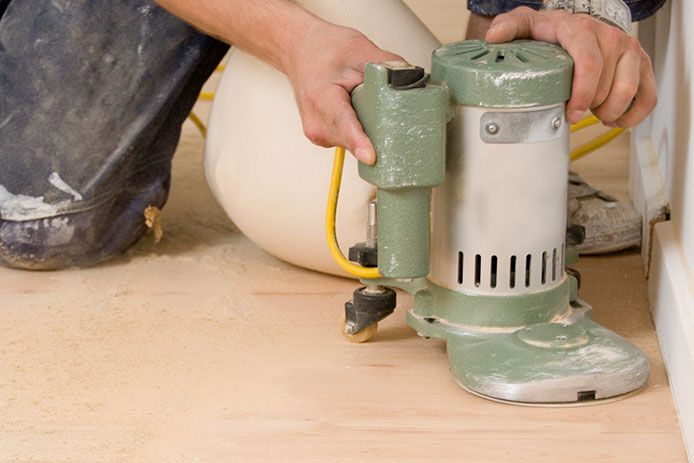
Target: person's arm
610,67
323,61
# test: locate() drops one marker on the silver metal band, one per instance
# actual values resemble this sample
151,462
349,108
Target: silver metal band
613,12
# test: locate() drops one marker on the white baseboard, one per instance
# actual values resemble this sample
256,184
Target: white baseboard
647,192
671,296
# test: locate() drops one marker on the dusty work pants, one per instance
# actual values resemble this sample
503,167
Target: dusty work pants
92,97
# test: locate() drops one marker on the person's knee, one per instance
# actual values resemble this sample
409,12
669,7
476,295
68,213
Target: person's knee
41,244
53,243
81,238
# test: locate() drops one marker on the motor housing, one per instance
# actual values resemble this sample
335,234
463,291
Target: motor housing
498,290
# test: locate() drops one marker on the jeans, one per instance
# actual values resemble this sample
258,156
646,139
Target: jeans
92,98
640,9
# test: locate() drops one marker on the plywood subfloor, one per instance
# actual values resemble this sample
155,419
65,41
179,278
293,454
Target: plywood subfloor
203,348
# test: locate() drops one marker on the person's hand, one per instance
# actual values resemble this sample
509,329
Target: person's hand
323,72
323,61
610,67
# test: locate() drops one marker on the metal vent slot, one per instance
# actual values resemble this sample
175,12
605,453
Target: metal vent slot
554,264
460,267
479,55
528,261
478,269
582,396
512,273
521,57
492,278
465,49
543,278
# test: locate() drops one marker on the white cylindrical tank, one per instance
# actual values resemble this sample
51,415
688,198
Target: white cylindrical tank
271,181
499,220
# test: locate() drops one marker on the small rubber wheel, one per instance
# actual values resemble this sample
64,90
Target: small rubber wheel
361,336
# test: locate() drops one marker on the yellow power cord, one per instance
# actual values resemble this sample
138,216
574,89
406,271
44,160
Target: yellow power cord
198,123
204,96
588,148
588,121
331,211
591,146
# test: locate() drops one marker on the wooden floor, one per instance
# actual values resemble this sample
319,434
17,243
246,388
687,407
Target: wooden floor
203,348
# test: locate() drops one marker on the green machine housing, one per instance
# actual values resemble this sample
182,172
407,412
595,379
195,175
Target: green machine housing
529,344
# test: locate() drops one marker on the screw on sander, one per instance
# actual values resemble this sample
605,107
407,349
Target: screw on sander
366,253
370,304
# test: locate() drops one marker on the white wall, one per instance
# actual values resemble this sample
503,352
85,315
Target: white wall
662,172
672,121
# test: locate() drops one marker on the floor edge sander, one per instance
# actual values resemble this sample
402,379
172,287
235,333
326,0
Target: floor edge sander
471,219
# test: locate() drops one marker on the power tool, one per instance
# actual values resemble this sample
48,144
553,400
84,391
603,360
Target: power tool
471,219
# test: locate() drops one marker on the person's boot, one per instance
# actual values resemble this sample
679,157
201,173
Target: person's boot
609,225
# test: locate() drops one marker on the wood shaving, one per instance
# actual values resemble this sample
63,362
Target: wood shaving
153,221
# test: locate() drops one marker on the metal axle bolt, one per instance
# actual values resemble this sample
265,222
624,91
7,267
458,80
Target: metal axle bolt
556,123
492,128
372,225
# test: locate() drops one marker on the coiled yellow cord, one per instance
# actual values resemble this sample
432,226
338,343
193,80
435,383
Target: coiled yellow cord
331,212
204,96
587,122
595,144
198,123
